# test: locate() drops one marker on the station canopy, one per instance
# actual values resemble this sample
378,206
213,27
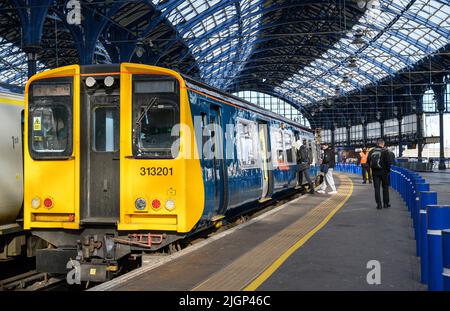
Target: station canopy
302,51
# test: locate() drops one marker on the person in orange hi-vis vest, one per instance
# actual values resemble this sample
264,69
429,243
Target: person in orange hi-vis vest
365,165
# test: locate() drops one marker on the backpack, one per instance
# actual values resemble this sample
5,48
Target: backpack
375,158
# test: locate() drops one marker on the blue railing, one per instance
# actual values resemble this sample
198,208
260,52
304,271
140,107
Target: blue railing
431,223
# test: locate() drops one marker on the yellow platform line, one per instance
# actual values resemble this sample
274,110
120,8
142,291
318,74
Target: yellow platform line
246,274
277,263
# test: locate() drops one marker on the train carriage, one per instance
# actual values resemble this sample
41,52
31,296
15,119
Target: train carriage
11,178
133,157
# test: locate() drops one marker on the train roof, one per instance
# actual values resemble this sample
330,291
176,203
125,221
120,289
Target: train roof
11,89
237,101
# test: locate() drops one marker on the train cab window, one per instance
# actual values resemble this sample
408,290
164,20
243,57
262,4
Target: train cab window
50,120
156,110
106,129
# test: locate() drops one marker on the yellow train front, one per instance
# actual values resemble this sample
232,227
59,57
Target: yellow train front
112,164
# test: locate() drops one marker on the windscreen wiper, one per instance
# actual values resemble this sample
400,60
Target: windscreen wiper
152,103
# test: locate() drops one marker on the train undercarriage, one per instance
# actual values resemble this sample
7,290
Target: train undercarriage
96,254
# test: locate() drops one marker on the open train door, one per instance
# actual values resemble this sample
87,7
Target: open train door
217,162
265,153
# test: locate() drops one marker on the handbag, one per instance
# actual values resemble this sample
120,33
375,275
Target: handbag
302,166
324,168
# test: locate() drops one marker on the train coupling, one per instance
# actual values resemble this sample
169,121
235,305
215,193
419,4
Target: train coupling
89,272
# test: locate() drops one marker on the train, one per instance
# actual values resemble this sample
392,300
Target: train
12,237
128,158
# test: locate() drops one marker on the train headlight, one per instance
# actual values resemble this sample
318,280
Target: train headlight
109,81
35,203
170,205
140,204
90,81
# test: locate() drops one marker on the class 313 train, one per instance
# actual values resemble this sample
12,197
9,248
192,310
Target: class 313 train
121,159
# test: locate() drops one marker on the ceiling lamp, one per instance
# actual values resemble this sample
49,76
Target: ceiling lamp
352,63
373,4
378,116
369,4
328,103
358,38
139,49
337,91
345,80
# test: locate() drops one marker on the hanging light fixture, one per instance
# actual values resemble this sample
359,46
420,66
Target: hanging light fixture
352,62
369,4
139,49
345,80
358,38
337,91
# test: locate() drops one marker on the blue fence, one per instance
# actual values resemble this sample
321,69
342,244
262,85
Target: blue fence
431,223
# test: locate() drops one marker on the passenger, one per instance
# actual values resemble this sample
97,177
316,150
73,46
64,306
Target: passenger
327,167
362,159
303,163
380,160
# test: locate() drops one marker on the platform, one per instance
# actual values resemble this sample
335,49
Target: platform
315,242
440,182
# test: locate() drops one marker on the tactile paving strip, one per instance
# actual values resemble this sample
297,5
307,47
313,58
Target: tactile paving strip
244,270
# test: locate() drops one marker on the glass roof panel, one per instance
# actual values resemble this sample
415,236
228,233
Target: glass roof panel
392,41
222,50
13,64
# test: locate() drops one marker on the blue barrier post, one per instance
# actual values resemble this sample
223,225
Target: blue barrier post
416,213
438,219
425,199
446,258
415,181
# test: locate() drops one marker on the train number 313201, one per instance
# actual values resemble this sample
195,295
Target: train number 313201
156,171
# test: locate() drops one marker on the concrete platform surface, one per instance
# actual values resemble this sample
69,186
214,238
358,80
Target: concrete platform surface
332,257
439,182
336,257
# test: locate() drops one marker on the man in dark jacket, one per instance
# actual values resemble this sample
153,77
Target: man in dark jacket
303,162
380,160
326,168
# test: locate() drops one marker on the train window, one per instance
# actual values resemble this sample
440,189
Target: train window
106,127
279,156
50,120
288,140
156,112
247,144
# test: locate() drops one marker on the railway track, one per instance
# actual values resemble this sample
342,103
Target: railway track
37,281
31,281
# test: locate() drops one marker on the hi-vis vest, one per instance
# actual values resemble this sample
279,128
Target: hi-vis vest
363,157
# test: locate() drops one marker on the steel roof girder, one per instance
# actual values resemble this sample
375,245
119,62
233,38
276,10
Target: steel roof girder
32,15
421,20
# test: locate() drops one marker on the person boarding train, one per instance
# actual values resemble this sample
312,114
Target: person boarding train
327,167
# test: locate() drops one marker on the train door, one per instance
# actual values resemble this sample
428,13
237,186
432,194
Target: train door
217,159
264,151
100,156
298,142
